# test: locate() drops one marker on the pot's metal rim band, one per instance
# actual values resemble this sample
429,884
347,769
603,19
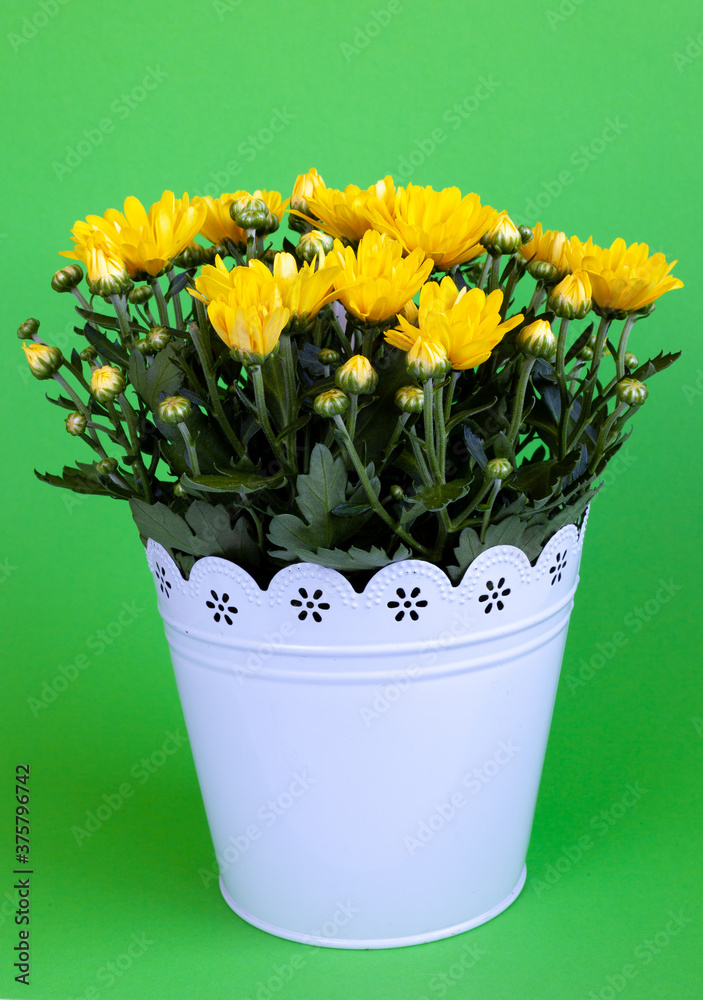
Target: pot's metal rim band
266,672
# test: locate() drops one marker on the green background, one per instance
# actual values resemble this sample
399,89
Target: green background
587,111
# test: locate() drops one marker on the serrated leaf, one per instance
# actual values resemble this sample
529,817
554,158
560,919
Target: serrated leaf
321,490
108,351
437,497
235,482
159,522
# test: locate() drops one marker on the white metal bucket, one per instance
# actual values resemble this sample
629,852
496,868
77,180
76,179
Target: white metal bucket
369,763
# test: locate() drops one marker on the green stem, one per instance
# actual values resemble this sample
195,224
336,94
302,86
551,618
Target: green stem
466,514
416,445
80,405
160,301
604,434
537,297
176,299
286,354
370,493
201,338
441,432
563,390
489,508
190,448
135,450
494,280
81,298
352,414
262,413
622,346
428,414
484,273
520,401
590,383
119,304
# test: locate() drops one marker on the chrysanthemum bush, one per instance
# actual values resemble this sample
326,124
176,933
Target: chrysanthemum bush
367,393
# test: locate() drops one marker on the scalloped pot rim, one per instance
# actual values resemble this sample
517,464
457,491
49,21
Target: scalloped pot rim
406,607
207,564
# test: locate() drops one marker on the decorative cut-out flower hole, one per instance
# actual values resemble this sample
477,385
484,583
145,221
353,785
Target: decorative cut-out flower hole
310,605
558,568
221,607
407,604
164,584
494,594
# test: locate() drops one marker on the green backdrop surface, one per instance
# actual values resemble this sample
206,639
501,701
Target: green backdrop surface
582,113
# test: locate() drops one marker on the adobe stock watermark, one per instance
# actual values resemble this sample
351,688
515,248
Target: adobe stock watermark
454,117
556,16
579,162
223,7
35,22
7,568
248,149
692,49
643,954
692,391
95,644
600,826
474,781
440,983
267,815
121,108
364,35
633,623
112,802
113,970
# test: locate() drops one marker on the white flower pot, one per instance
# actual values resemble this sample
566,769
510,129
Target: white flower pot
369,762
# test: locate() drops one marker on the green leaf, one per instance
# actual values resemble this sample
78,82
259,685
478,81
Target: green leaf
212,524
235,482
320,491
293,536
437,497
511,531
108,351
79,482
159,522
655,365
351,509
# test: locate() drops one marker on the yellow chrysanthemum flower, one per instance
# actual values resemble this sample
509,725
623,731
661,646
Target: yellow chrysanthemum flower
467,323
304,292
145,242
105,272
250,319
551,246
346,214
447,227
304,188
376,282
624,278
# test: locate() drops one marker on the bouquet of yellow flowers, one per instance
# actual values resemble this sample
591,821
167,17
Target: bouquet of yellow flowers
415,377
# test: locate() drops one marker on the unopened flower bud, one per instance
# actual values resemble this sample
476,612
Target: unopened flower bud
427,359
144,347
138,296
106,383
157,338
537,341
542,270
249,212
330,403
631,391
27,329
305,187
43,360
571,298
592,343
88,353
106,466
356,375
67,278
410,399
586,353
314,244
174,410
526,233
209,253
178,491
631,361
327,356
397,492
503,238
498,468
114,281
76,423
190,256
